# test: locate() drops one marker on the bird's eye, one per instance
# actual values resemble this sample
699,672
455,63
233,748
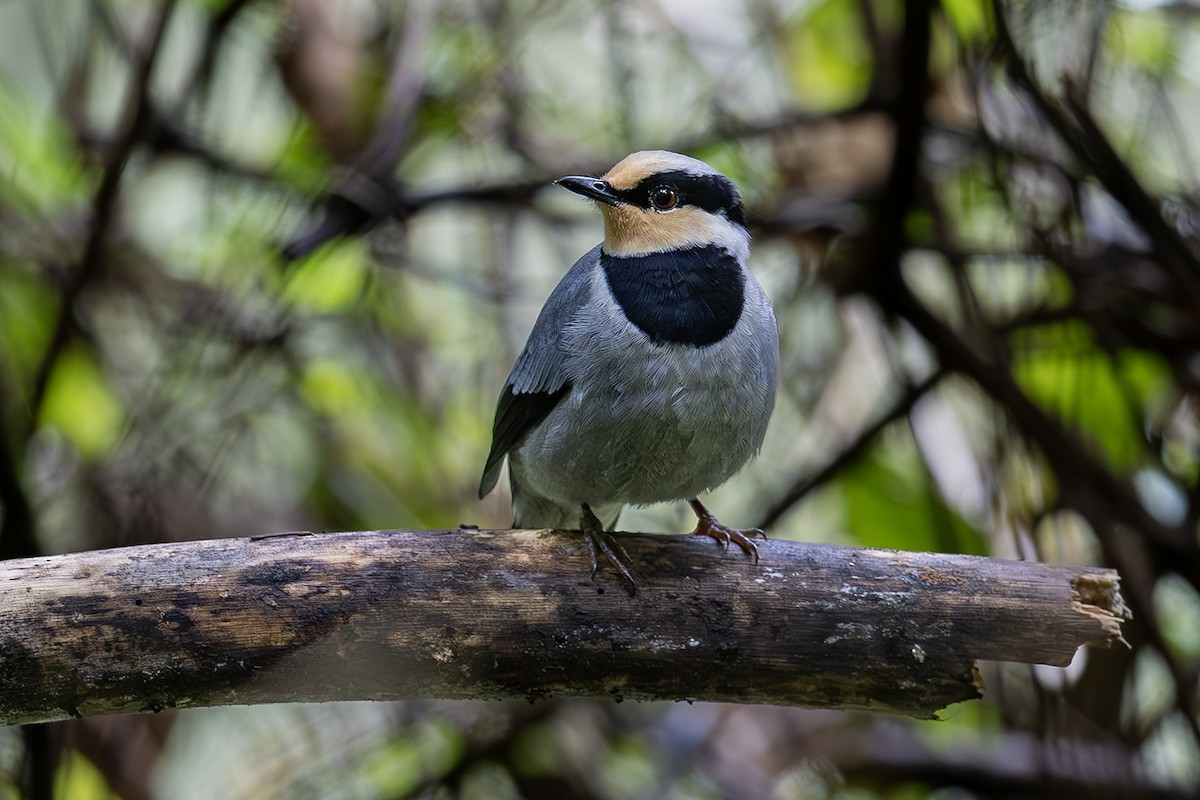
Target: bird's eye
664,198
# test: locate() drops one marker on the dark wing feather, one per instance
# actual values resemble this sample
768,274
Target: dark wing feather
538,380
516,415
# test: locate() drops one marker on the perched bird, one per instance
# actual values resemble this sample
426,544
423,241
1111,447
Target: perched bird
649,375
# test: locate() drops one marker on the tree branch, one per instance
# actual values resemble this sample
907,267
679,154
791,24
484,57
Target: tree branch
1078,130
394,614
104,206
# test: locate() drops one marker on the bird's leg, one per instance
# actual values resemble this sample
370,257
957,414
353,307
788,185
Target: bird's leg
709,525
603,541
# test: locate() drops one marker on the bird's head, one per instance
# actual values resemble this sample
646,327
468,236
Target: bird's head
654,201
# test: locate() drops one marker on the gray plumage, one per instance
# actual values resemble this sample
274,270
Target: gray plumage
596,411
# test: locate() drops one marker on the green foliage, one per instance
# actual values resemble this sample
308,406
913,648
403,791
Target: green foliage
1101,397
428,750
78,779
207,388
889,500
1177,605
1147,41
971,20
829,62
330,280
919,228
302,162
81,405
41,170
486,780
627,769
27,308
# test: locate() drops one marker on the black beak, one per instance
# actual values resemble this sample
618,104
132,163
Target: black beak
592,188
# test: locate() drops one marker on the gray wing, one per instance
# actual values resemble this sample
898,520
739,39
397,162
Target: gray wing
538,380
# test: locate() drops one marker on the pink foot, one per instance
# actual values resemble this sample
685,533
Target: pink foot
708,525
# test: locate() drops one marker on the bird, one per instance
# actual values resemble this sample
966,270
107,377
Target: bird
649,375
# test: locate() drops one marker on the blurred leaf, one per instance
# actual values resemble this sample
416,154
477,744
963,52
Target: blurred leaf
1151,693
302,162
1061,369
971,19
829,60
1172,754
1177,605
26,315
962,725
536,751
891,502
1008,288
81,404
488,780
1146,377
1145,39
41,171
627,770
331,279
430,749
394,770
332,388
919,227
982,219
78,779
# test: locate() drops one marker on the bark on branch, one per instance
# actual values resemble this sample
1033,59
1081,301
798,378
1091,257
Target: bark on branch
453,614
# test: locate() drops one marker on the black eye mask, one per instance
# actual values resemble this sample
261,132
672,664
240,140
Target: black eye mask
711,193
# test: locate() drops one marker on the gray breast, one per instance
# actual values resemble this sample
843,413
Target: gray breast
648,422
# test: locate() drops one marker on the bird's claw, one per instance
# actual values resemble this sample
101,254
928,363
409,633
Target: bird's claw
602,541
708,525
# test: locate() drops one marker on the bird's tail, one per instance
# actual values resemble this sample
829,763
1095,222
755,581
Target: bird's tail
531,510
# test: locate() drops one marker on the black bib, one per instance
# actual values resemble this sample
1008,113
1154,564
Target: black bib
687,296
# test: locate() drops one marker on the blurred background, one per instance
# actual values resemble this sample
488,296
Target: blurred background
264,266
